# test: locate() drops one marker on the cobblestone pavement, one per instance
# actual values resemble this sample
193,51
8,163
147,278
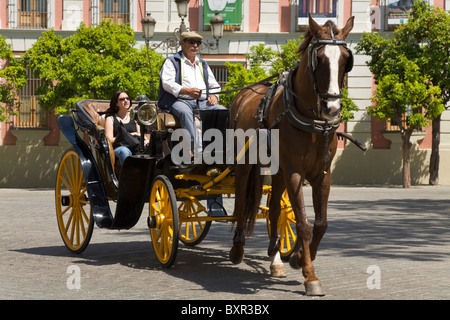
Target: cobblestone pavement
382,243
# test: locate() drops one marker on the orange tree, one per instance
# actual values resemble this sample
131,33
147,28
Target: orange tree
93,63
412,71
12,79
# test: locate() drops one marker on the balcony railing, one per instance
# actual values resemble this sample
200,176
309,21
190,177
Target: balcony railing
32,14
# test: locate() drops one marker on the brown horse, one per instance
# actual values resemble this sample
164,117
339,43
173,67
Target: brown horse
305,107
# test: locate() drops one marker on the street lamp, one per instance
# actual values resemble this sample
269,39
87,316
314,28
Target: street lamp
216,29
148,29
182,8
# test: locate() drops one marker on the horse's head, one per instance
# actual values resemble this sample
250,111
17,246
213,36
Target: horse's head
329,60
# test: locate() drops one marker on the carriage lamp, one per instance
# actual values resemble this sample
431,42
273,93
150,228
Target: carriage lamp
147,114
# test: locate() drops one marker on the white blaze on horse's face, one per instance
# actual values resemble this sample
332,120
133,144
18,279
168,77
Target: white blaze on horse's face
333,53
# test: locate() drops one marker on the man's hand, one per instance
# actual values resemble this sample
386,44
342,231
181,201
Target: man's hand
194,93
212,99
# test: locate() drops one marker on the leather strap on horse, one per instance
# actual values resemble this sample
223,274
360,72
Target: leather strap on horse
264,105
300,121
265,81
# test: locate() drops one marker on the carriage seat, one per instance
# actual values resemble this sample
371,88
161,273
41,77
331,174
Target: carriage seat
169,120
96,111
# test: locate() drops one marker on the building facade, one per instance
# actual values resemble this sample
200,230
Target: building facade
31,145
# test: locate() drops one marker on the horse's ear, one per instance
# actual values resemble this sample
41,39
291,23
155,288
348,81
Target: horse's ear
348,27
314,27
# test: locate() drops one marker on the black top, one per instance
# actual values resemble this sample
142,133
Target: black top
130,126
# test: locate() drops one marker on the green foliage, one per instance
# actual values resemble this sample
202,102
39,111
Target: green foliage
426,40
348,106
239,77
93,63
264,62
411,68
407,94
13,79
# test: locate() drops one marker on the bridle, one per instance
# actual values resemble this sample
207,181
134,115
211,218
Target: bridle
313,48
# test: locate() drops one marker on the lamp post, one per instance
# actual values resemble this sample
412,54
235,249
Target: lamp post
148,29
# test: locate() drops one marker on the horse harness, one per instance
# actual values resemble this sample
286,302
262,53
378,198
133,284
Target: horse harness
294,117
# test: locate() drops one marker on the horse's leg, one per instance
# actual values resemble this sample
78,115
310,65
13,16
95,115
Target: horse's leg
237,251
303,226
320,193
276,265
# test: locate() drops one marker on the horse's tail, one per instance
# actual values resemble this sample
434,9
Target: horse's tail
253,196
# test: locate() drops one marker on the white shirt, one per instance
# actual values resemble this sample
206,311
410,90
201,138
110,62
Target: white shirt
191,77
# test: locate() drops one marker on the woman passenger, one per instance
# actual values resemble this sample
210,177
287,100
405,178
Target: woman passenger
118,119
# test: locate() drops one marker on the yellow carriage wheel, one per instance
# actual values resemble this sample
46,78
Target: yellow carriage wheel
73,211
163,220
192,228
286,227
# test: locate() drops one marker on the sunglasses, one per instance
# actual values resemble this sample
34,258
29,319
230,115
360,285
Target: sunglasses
193,42
123,99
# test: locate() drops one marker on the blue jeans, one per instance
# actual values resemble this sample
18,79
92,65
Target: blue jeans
122,153
184,111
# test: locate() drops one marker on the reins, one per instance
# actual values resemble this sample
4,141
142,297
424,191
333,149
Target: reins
264,81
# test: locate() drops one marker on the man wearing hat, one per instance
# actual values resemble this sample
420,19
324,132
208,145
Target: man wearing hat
187,82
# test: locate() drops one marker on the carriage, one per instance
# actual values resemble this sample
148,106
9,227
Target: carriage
183,200
89,179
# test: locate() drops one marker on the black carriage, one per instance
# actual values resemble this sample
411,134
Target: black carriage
89,178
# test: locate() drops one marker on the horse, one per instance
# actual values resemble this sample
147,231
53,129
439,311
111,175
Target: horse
304,105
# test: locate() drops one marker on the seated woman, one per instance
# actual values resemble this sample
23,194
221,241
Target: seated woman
117,120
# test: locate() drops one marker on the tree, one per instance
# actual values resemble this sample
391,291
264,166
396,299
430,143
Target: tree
426,39
12,79
407,93
264,62
93,63
403,86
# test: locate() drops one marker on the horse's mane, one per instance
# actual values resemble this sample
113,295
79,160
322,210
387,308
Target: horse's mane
309,36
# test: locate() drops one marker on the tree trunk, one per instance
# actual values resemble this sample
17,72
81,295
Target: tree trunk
434,159
406,150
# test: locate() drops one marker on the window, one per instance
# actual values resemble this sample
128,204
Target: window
321,11
116,10
31,114
393,125
32,14
221,74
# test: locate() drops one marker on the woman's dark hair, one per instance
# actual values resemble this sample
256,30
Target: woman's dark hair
113,103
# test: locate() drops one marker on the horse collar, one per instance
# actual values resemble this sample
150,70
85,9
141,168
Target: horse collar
297,119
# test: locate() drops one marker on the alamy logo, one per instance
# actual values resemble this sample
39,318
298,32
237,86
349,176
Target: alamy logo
239,146
374,280
74,279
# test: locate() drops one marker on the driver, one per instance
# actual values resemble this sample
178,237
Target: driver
187,83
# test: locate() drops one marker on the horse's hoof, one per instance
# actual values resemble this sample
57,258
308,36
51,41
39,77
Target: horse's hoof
236,255
277,271
293,261
314,288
